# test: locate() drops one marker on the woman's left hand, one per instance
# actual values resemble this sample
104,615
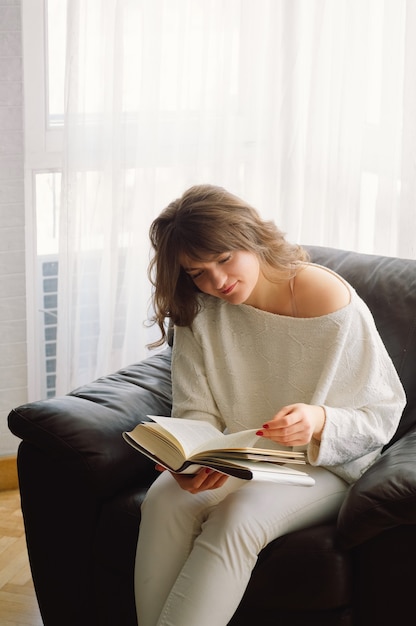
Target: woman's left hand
295,425
205,479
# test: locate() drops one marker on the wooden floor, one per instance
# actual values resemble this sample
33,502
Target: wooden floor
18,606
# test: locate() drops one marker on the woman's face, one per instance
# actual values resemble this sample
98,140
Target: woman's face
231,276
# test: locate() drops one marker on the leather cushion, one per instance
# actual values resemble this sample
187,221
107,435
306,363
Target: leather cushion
384,497
83,429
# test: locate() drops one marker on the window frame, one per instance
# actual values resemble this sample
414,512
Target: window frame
43,145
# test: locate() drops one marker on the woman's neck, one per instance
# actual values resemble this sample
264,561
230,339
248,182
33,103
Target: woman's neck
274,295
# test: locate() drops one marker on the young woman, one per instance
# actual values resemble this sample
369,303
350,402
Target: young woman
263,339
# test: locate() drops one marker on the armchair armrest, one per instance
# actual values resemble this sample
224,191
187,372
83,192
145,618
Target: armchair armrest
384,497
83,429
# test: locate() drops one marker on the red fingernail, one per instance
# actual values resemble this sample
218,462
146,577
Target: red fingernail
265,426
207,471
259,433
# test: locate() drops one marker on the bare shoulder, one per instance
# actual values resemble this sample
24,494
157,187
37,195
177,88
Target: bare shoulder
318,291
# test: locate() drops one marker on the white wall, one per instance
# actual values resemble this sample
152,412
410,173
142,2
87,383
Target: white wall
13,357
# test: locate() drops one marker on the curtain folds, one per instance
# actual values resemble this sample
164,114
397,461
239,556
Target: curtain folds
303,107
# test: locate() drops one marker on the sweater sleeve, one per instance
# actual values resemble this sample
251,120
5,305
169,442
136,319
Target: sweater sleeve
363,399
192,396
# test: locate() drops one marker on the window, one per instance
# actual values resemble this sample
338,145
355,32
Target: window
270,99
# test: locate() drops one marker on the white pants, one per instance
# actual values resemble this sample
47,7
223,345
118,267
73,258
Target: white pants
195,553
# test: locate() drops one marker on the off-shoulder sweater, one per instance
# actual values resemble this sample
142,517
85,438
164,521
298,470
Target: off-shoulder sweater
236,366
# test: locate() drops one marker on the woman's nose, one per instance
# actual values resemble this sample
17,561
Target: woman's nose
218,278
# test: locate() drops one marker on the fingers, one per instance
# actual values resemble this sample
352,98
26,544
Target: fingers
291,426
205,479
284,422
202,481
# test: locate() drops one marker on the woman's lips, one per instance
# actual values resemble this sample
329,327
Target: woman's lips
228,290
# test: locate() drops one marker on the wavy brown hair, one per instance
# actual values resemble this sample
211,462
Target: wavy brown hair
206,221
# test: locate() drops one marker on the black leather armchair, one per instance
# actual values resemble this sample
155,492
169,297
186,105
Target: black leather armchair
81,488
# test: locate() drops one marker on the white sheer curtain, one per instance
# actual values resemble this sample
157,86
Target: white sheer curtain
303,107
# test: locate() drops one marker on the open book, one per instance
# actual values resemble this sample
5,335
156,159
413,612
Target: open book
185,445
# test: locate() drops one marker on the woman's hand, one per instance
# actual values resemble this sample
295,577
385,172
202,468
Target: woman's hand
202,481
295,425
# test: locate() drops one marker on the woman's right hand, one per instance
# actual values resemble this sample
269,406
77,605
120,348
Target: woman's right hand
204,480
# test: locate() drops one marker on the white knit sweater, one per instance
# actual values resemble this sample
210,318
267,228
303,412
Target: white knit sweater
237,366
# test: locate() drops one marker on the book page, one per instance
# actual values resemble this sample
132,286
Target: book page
256,454
156,446
191,434
198,436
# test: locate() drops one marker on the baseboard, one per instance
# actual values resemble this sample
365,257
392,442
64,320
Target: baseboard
8,473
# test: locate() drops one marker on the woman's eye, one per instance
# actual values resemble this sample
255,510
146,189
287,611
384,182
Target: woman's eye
196,276
225,259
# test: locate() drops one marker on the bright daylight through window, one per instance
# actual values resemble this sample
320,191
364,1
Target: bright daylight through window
163,93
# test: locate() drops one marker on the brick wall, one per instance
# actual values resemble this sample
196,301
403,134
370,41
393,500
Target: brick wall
13,377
